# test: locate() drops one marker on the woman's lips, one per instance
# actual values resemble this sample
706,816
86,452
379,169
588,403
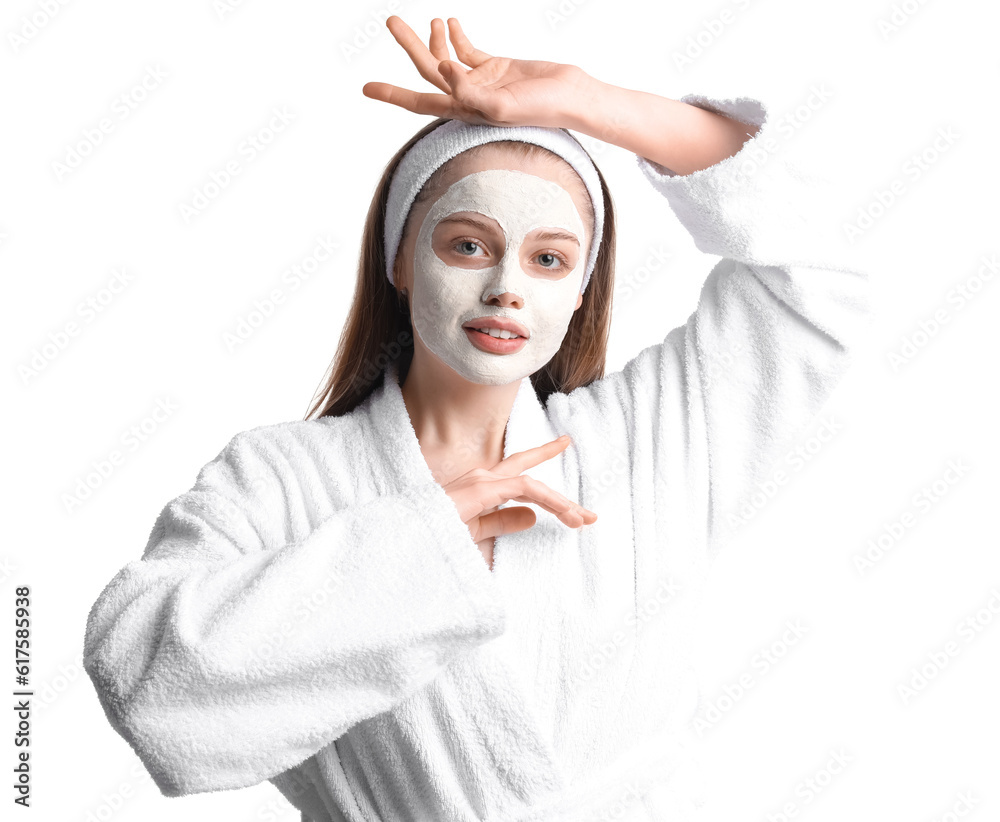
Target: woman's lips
503,323
494,345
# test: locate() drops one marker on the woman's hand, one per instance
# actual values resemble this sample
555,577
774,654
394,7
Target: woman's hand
502,91
497,91
478,492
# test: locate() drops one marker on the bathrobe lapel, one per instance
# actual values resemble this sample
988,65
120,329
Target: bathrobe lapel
529,565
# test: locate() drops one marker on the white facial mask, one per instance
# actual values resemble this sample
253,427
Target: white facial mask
445,296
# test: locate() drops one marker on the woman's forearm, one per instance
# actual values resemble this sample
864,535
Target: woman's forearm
682,137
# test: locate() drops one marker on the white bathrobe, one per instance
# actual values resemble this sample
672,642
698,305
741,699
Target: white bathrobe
314,612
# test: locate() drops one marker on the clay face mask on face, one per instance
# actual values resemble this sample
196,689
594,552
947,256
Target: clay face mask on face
447,294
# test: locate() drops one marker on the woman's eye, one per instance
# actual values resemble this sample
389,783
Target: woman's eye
464,246
548,259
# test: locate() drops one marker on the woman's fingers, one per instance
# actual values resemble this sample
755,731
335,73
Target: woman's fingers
478,493
504,521
466,52
439,41
439,105
482,89
523,460
423,59
527,489
428,58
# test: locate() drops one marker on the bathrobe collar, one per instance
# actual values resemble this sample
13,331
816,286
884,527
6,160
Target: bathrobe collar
528,564
527,426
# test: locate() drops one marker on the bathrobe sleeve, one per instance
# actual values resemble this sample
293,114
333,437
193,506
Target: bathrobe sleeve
704,415
262,622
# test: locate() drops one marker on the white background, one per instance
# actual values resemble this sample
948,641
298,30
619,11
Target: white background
162,340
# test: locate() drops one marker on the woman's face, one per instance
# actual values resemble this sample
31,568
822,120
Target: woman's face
501,240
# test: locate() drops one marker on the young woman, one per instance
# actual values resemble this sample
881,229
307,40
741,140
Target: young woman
314,610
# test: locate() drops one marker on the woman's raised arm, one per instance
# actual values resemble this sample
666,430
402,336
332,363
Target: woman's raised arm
503,91
705,415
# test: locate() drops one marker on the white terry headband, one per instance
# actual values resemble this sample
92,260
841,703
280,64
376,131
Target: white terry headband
435,148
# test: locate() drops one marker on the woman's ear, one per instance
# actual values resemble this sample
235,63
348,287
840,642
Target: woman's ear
579,301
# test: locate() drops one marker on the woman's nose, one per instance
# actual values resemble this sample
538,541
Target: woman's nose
505,298
502,288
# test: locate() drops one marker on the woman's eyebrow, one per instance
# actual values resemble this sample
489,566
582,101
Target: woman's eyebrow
546,234
556,235
482,225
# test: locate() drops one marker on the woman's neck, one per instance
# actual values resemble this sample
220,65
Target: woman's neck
452,415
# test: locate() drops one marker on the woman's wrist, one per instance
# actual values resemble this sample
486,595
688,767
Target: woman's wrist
679,136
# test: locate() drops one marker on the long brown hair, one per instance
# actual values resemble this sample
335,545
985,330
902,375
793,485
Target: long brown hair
378,328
